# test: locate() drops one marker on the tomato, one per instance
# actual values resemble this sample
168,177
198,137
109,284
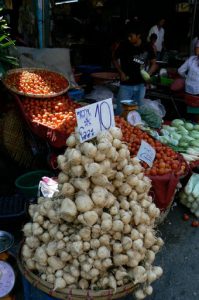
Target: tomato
195,224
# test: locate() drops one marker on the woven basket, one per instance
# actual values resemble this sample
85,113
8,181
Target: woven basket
14,139
34,95
74,294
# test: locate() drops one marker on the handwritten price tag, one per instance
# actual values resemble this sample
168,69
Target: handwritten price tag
93,118
146,153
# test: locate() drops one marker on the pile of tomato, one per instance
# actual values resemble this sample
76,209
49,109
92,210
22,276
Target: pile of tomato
37,82
56,113
166,160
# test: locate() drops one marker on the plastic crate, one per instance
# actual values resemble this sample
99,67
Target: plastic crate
88,69
28,182
33,293
76,94
166,80
192,100
12,208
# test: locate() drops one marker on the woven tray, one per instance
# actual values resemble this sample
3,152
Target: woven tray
15,71
73,294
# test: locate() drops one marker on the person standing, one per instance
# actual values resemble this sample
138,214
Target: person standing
159,31
190,71
129,59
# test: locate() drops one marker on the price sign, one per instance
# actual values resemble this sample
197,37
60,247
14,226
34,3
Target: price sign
146,153
93,118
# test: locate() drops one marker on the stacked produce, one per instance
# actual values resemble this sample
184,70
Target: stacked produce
56,113
98,232
190,195
183,137
166,160
36,82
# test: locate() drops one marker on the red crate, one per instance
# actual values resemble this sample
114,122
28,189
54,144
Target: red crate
192,100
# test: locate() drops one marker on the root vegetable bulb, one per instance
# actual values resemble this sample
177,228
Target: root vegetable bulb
99,196
116,133
139,294
90,217
81,184
93,169
118,226
71,141
74,156
68,210
103,252
89,149
62,178
120,259
60,283
104,135
55,263
83,202
139,274
41,256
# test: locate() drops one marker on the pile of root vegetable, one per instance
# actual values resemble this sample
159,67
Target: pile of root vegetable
97,232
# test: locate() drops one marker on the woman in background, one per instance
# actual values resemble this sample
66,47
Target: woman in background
190,71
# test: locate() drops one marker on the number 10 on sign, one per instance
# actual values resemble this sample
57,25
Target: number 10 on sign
92,119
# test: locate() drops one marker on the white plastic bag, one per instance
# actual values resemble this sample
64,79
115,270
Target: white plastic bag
100,92
156,105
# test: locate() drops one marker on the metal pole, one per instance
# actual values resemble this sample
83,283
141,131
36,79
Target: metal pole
193,24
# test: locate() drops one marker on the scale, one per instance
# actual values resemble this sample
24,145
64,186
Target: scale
7,274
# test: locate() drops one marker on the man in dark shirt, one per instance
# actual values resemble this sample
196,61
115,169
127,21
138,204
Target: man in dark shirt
129,58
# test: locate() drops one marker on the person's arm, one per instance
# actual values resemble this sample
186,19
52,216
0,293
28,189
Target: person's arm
153,66
184,68
150,33
117,65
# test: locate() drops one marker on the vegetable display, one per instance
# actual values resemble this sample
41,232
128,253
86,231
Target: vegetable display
98,232
150,116
36,82
166,160
190,195
183,137
57,113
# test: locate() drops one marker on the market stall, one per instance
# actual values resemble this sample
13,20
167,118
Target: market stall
108,191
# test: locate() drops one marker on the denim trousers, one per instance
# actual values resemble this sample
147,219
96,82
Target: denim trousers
130,92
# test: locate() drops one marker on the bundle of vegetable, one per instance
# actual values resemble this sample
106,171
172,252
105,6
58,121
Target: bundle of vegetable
166,160
190,195
182,137
150,116
98,231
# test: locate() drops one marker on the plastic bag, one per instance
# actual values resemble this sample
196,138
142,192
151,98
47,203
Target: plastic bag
47,187
100,92
156,105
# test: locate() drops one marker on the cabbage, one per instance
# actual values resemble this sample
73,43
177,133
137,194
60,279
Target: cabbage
182,130
194,134
196,127
188,126
177,122
194,143
145,75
